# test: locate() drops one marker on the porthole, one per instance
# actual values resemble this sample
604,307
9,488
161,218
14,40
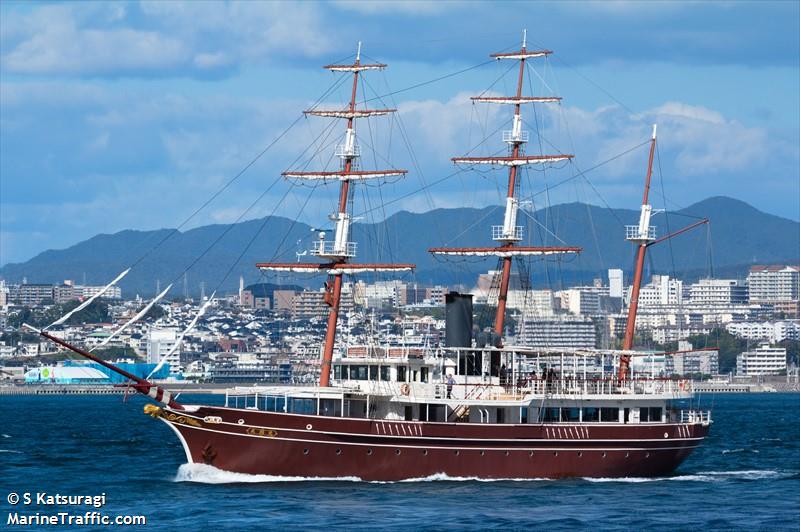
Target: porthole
457,453
241,422
397,451
647,455
338,451
580,454
666,435
530,453
309,427
369,451
507,453
627,455
555,453
305,451
424,452
483,453
604,455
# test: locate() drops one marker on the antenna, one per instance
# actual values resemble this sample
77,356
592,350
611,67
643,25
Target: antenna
654,131
358,53
524,38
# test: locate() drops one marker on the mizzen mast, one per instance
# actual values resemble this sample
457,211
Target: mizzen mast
509,234
338,252
642,235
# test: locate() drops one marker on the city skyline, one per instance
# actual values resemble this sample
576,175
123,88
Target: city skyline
103,103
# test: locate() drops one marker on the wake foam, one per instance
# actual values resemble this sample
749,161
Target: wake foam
206,474
705,476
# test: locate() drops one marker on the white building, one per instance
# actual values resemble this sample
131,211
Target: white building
772,332
661,291
615,283
159,343
557,332
764,360
583,300
716,292
769,284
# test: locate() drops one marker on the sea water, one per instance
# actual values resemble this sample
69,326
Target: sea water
745,476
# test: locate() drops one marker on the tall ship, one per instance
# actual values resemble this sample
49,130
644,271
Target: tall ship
474,407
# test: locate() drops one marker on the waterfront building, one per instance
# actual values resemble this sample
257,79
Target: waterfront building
763,360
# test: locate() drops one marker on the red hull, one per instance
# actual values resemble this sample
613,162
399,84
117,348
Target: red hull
267,443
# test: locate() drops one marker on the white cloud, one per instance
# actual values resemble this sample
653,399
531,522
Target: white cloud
413,7
173,38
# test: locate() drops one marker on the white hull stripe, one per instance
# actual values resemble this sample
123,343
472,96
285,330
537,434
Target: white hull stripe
399,436
581,449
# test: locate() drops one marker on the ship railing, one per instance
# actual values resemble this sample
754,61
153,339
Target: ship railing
598,386
696,416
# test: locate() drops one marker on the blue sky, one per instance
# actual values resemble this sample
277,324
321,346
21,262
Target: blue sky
131,115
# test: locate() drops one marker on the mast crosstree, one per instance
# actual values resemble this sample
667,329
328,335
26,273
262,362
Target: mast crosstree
340,250
508,234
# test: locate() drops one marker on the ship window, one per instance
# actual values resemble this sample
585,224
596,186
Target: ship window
358,373
373,373
302,406
655,414
523,414
401,373
337,372
384,373
609,415
644,414
330,407
501,415
570,414
550,414
424,375
273,403
591,414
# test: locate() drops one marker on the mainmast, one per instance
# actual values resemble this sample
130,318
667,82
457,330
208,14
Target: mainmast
642,235
338,252
509,234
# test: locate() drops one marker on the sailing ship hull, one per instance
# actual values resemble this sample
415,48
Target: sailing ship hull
266,443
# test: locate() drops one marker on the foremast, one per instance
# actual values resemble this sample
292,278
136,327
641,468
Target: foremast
338,253
509,234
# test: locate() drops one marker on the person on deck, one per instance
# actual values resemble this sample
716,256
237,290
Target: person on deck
450,382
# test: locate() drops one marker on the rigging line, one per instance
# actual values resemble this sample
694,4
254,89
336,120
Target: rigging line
434,80
582,173
230,226
499,78
234,178
537,222
227,230
413,192
666,213
253,239
278,250
598,86
479,220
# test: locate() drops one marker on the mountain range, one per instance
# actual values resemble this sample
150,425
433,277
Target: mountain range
738,236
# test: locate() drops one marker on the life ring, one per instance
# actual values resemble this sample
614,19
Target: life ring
405,389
